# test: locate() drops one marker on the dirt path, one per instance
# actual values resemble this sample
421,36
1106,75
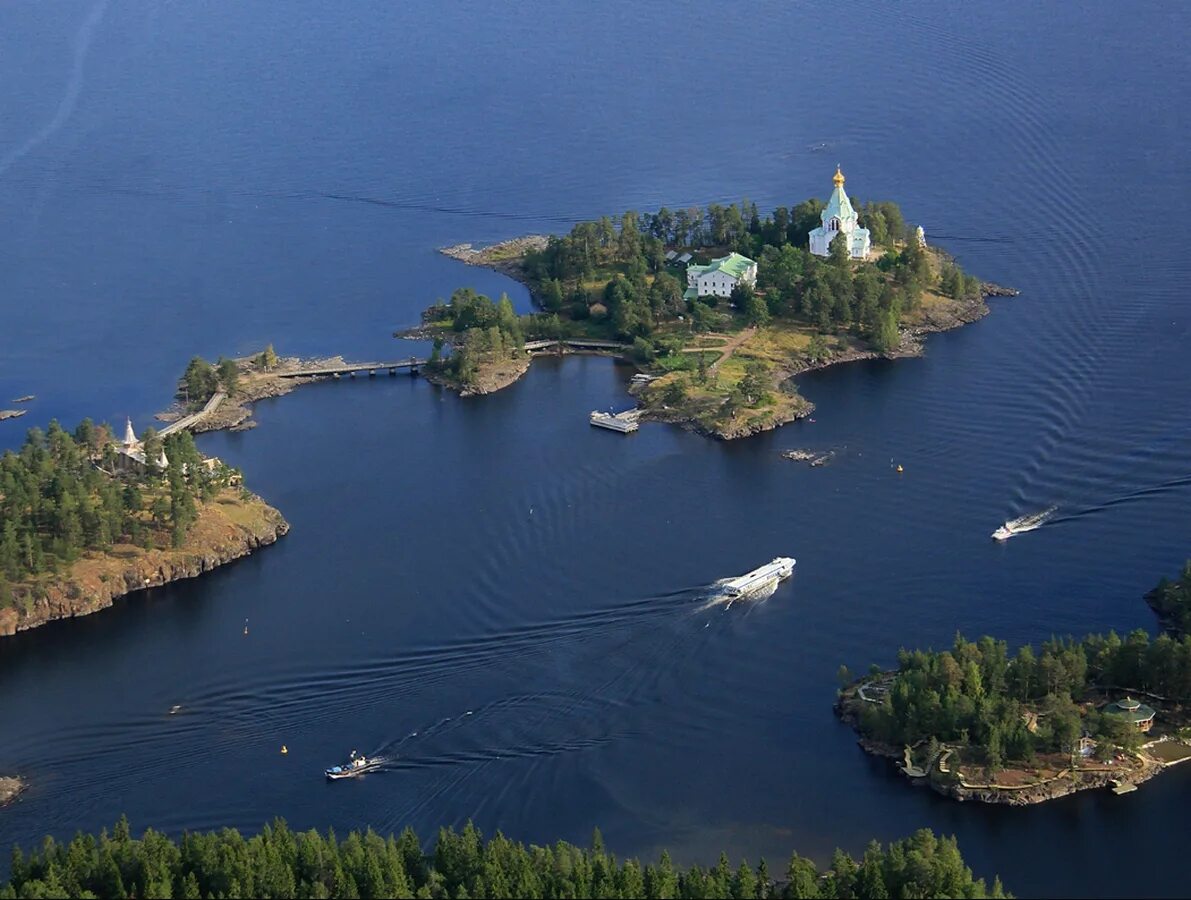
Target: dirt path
732,345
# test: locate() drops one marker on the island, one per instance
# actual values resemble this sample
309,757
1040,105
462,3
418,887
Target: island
719,308
978,724
10,787
87,519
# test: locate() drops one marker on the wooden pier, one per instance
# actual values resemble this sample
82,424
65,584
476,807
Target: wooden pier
187,421
1122,787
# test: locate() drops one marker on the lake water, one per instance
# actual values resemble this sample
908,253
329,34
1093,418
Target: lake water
508,604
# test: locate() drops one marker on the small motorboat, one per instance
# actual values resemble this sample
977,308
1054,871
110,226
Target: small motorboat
1023,524
357,764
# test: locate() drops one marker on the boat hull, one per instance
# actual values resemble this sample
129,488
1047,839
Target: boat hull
354,773
761,580
337,773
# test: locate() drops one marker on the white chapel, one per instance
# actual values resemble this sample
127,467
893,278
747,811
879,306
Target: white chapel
839,216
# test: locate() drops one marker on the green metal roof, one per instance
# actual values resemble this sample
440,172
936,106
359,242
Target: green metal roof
733,264
838,205
1130,709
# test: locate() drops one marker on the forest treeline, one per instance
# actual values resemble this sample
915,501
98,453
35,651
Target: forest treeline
482,330
617,272
975,693
202,380
278,862
62,494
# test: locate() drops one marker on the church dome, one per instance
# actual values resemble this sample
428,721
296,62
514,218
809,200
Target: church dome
838,178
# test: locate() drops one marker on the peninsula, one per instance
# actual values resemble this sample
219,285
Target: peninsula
721,308
978,724
211,397
87,520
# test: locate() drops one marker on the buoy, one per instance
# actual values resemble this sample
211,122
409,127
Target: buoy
899,468
284,750
245,626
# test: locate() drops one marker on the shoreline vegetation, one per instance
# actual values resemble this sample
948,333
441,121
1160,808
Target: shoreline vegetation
280,863
721,366
975,723
85,520
1171,602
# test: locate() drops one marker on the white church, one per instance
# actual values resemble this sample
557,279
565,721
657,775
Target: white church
839,216
131,451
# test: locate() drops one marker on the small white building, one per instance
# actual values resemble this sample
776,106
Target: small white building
840,218
718,278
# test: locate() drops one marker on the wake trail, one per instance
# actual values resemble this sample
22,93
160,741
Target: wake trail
447,210
74,86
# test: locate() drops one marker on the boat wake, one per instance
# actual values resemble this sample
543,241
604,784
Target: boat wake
719,595
1025,523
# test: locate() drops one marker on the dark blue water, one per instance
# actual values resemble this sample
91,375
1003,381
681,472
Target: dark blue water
504,601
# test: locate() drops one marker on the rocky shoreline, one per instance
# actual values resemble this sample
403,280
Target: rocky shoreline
799,408
912,345
10,788
505,256
489,379
229,527
1062,784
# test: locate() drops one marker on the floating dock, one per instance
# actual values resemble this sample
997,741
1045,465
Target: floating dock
625,422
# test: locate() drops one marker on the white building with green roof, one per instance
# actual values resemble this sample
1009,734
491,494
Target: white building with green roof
840,218
719,277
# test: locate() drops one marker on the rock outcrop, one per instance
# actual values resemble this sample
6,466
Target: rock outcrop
9,788
229,527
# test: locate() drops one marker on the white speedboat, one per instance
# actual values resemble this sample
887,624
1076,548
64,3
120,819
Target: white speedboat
356,765
1023,524
758,580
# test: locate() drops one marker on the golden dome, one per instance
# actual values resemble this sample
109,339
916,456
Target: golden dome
839,177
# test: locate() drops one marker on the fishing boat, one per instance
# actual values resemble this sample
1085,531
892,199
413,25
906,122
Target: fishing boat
356,764
758,580
1023,524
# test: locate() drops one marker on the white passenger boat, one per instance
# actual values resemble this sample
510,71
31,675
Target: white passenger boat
758,580
624,422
